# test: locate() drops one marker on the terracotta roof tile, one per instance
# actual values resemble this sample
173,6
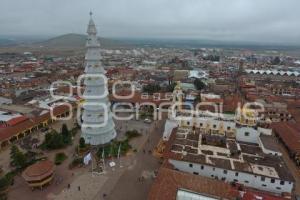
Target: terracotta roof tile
8,132
38,171
289,133
169,181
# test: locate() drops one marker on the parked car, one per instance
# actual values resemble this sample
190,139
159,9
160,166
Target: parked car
148,121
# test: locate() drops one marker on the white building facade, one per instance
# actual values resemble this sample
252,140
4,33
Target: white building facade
261,182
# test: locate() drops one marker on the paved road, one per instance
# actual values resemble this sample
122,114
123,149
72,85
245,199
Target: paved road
127,185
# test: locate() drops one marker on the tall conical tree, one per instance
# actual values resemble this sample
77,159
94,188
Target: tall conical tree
18,159
66,134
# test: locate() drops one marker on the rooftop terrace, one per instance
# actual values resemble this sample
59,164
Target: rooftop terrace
188,145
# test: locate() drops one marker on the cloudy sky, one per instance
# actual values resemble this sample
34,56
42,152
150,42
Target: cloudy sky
231,20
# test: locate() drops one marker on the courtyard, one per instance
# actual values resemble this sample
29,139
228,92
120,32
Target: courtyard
130,178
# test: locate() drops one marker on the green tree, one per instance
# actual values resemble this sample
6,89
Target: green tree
170,87
18,158
66,134
82,143
199,84
4,184
53,140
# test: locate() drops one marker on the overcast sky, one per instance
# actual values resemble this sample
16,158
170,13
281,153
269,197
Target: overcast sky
233,20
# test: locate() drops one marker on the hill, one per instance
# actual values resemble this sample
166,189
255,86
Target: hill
7,42
75,41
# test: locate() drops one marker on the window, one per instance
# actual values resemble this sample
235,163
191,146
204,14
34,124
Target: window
264,185
246,181
214,169
262,178
281,182
196,173
202,167
223,179
201,124
272,180
228,128
188,123
225,171
191,165
235,180
278,188
236,174
215,126
247,134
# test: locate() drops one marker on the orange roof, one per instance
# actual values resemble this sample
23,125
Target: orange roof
170,181
231,103
8,132
289,133
16,120
212,100
38,171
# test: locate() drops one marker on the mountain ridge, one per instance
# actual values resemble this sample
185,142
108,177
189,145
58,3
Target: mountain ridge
74,40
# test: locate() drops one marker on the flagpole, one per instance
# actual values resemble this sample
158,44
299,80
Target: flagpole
103,154
119,151
92,165
112,157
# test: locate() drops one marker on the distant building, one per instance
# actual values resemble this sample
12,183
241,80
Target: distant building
4,100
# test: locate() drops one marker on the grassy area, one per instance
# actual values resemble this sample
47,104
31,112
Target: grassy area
111,149
60,157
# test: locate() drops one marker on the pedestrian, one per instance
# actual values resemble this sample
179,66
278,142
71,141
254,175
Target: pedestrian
104,195
69,185
78,188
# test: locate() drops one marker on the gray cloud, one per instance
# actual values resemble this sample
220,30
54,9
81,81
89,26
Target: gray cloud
237,20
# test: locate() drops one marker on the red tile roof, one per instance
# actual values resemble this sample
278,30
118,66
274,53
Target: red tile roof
169,181
231,103
38,171
8,132
16,120
289,133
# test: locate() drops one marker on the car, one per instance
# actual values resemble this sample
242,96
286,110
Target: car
148,121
